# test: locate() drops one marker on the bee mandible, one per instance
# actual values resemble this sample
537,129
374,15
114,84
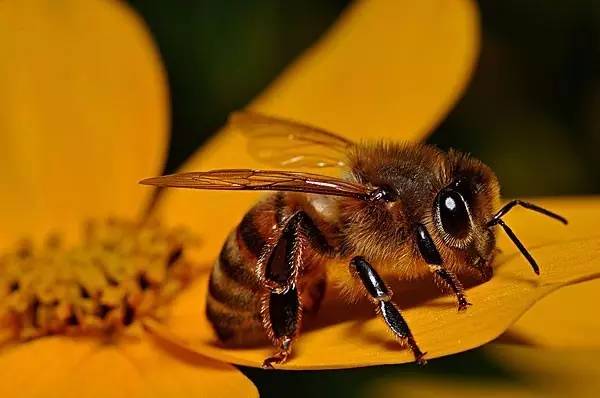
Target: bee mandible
404,210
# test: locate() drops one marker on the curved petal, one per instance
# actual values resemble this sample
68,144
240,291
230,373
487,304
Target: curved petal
388,68
64,367
344,336
83,113
571,312
567,310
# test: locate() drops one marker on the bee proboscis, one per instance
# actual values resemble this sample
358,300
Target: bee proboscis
406,210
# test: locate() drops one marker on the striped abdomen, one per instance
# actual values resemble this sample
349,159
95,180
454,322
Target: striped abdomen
233,302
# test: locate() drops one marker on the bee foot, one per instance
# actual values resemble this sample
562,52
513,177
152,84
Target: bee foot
281,356
276,359
463,305
420,360
418,354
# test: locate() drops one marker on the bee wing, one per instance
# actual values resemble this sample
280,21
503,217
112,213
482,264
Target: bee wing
262,180
280,142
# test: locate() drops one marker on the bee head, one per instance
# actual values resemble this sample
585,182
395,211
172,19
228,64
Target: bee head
426,206
461,210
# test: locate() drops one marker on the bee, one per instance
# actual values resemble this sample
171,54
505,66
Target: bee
404,210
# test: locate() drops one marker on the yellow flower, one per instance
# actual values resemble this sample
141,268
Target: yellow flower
85,121
386,69
84,115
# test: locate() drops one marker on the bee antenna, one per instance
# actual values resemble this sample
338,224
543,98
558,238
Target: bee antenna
530,206
521,247
497,220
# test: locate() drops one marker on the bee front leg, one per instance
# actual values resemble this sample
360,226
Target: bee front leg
450,280
381,295
433,259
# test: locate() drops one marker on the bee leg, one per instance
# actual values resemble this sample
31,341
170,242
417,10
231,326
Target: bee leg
280,261
432,257
282,314
450,280
281,356
278,267
381,295
281,307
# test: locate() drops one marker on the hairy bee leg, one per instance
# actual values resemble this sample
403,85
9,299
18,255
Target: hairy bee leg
450,280
281,309
381,295
282,313
432,257
281,260
281,356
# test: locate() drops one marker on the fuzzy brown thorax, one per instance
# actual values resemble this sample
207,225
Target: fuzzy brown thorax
415,176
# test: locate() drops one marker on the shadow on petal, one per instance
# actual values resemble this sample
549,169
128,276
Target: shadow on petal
534,373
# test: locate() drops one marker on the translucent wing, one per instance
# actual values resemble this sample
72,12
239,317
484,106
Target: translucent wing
262,180
280,142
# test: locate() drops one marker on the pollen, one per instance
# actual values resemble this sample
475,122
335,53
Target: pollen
118,273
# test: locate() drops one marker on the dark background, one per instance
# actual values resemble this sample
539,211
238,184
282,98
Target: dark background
531,112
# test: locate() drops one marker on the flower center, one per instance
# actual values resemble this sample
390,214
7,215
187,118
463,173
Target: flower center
119,273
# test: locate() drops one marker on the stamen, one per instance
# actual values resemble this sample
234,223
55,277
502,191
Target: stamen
119,273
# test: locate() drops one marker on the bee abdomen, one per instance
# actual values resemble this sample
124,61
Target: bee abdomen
234,296
233,302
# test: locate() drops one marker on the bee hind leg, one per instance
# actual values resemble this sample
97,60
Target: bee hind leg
280,356
381,295
281,313
279,267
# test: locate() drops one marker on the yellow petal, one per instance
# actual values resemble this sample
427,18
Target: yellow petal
64,367
567,310
570,311
388,68
525,372
83,113
347,335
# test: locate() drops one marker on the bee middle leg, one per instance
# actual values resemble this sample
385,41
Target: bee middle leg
381,295
279,269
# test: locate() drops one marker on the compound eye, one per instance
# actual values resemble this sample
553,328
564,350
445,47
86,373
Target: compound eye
454,214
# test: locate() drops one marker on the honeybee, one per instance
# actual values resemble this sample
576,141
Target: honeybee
404,210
